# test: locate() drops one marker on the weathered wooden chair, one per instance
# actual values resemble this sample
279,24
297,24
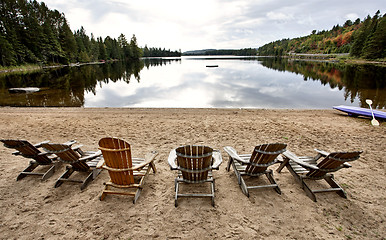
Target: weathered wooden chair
27,150
194,165
255,164
307,168
126,173
78,160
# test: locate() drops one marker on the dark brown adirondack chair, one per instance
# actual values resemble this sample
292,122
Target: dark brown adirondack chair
194,165
78,160
307,168
27,150
255,164
126,173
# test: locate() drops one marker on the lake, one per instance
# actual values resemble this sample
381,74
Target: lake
201,82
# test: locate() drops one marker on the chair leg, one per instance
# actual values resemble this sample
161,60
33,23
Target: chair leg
229,164
176,197
49,173
137,193
308,191
152,164
244,187
65,175
330,180
103,193
29,169
213,189
283,164
272,181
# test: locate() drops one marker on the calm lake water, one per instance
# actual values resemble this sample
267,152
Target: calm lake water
193,82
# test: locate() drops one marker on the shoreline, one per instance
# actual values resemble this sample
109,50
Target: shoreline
304,57
35,207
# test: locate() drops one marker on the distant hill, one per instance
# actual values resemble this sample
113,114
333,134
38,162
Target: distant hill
364,39
236,52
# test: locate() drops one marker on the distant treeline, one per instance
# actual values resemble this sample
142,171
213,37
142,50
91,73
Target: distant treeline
158,52
32,33
234,52
365,39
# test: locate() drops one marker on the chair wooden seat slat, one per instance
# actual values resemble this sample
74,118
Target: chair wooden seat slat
27,150
125,171
255,164
194,165
308,168
77,160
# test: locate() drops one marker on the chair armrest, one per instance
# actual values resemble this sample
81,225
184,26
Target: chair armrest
295,159
320,154
45,153
216,155
100,163
148,159
172,160
346,165
94,155
70,143
38,145
233,154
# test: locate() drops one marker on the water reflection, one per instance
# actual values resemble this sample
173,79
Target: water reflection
355,80
187,82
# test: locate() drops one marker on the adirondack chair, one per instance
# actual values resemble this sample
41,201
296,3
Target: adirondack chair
255,164
194,165
77,160
126,173
307,168
27,150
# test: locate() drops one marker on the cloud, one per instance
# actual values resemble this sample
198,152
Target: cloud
200,24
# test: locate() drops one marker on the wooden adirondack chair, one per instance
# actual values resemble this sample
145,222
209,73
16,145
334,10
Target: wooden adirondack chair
126,173
194,165
307,168
78,160
27,150
255,164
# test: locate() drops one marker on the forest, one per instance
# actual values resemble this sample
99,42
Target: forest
31,33
361,39
215,52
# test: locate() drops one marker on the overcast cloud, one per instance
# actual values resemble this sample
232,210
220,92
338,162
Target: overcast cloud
203,24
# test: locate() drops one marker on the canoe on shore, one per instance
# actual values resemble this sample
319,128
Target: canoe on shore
357,111
24,90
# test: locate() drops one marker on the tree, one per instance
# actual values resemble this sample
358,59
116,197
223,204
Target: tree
67,42
375,47
136,52
360,38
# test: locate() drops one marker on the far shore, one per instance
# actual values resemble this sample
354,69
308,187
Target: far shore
341,58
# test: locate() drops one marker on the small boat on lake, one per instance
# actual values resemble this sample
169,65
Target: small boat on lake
211,66
357,111
24,90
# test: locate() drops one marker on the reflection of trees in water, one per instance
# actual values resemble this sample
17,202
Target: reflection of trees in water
362,81
154,62
65,86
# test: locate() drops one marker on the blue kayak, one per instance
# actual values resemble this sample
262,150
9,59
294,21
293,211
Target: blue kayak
357,111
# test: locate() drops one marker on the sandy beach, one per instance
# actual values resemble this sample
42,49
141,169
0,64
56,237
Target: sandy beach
34,209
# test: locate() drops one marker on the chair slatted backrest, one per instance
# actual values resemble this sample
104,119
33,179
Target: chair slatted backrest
194,162
117,155
333,162
27,150
66,154
264,154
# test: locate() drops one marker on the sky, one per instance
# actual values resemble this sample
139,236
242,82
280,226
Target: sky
210,24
